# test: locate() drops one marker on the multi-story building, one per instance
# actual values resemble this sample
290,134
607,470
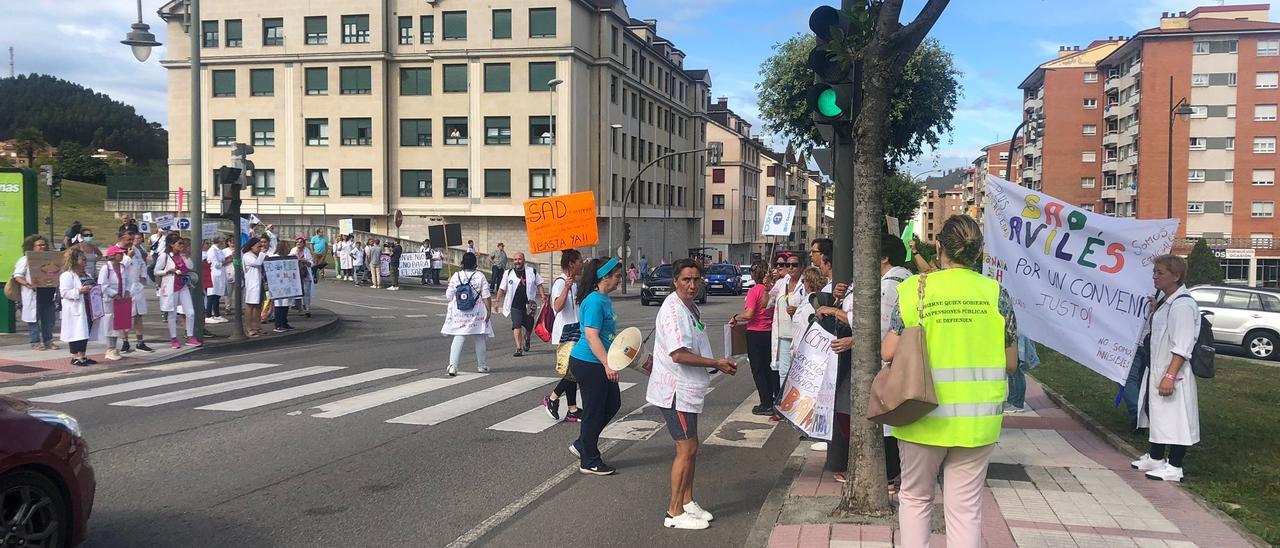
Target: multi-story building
786,181
9,151
448,111
944,196
995,160
816,223
732,224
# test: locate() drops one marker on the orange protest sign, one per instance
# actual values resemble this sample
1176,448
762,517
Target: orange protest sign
561,222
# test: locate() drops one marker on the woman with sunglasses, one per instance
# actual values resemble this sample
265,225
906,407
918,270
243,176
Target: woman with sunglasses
788,294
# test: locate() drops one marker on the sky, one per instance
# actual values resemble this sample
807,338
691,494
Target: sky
996,43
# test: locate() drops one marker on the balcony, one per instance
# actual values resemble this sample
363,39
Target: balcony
1133,100
1113,83
1110,166
1035,104
1109,193
1031,173
1132,130
1132,160
1110,139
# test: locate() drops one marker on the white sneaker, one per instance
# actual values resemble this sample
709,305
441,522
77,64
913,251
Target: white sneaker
1011,410
698,512
482,369
1146,464
818,446
453,370
685,521
112,355
1168,472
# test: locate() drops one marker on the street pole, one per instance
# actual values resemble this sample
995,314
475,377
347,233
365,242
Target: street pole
842,150
1168,197
613,139
197,190
632,186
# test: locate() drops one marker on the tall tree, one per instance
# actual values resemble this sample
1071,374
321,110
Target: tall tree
1202,266
902,196
30,142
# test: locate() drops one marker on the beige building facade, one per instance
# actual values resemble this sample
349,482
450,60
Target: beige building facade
732,224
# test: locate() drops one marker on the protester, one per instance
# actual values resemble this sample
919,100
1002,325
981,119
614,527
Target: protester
252,258
565,332
319,246
601,397
758,317
395,253
471,246
72,234
137,269
273,241
467,315
305,259
78,325
425,250
90,249
788,294
520,291
112,280
373,258
342,254
128,225
813,280
357,262
497,265
970,360
632,273
1168,404
217,288
644,265
39,304
678,385
1028,359
437,264
280,306
172,270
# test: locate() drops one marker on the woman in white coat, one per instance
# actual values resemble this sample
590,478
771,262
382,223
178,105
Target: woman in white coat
78,325
342,250
252,257
39,304
472,323
172,268
112,276
1168,403
788,294
217,259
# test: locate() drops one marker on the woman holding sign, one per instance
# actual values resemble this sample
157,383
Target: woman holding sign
601,397
79,324
173,269
38,303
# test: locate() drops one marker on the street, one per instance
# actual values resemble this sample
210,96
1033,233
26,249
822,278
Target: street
360,439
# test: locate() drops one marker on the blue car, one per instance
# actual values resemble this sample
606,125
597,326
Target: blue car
724,279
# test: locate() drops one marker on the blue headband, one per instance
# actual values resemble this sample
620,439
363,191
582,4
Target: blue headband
607,267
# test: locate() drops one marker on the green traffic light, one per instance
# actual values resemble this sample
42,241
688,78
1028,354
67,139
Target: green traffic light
828,104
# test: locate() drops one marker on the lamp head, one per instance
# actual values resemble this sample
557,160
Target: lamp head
140,40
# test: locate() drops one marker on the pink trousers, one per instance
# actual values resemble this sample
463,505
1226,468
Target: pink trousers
964,472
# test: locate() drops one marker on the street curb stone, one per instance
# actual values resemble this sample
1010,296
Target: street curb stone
774,501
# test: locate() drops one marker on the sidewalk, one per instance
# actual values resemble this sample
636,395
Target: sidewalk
1052,482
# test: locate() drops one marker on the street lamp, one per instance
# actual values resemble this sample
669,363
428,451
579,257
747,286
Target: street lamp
553,84
140,39
1180,110
613,139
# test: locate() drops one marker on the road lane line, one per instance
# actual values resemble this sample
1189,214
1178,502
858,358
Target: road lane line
743,429
536,420
287,394
71,381
151,383
200,391
417,315
355,304
396,393
441,412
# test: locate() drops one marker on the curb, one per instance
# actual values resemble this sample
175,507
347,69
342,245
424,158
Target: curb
771,510
329,326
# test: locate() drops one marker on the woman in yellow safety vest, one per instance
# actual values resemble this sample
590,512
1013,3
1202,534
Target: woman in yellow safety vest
971,334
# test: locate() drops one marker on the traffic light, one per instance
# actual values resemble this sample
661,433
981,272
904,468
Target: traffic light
834,97
56,188
229,187
626,232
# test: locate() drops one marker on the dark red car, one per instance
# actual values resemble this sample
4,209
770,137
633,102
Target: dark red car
46,482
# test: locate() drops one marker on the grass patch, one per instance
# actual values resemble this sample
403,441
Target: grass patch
1236,465
82,201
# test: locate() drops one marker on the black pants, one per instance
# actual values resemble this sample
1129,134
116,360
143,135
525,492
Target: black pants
569,390
281,315
494,277
760,354
78,347
892,463
601,400
212,306
1176,452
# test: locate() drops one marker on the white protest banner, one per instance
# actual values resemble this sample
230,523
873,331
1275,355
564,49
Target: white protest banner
346,226
254,220
411,264
809,393
1080,281
778,219
165,222
209,231
147,217
283,278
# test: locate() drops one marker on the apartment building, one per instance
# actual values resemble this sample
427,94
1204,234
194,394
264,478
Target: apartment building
449,111
995,160
944,196
788,181
732,223
817,224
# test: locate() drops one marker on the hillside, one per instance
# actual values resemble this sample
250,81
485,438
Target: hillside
79,201
68,112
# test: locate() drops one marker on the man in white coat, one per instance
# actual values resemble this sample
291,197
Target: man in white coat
520,292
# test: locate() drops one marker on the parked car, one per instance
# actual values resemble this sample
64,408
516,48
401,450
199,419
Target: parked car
747,281
657,285
1247,317
724,279
46,482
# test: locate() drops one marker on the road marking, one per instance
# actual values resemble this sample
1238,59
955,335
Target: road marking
536,420
287,394
151,383
383,317
417,315
743,429
441,412
355,304
71,381
627,428
396,393
228,386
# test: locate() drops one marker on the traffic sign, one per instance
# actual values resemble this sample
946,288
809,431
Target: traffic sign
399,218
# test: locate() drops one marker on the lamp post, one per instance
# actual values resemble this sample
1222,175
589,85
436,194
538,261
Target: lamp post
715,151
1183,110
613,138
555,189
734,205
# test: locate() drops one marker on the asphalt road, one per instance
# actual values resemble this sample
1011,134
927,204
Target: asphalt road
184,459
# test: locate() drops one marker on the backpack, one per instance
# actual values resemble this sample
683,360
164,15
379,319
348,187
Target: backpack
1203,355
465,296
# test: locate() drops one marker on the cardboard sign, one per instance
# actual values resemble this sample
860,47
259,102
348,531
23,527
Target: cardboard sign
209,231
735,340
96,307
778,220
561,222
166,222
44,267
144,226
284,279
411,264
147,217
346,226
809,392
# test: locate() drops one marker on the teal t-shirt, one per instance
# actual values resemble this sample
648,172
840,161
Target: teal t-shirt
596,311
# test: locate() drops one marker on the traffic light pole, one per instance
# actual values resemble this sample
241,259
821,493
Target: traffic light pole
197,190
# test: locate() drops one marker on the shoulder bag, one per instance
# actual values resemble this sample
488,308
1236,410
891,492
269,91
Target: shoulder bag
903,392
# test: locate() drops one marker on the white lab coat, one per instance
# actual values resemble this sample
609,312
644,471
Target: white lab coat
782,321
437,259
1174,419
135,265
343,251
166,281
76,324
253,277
217,274
113,285
20,269
467,322
510,281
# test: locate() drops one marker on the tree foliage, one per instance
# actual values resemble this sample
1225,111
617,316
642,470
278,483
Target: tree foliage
30,142
901,196
66,112
76,162
1202,266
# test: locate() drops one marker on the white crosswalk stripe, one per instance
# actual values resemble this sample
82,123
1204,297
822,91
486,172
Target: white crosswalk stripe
250,402
151,383
743,429
439,413
536,420
200,391
395,393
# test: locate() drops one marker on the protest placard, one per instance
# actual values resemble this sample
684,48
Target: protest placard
284,281
44,267
166,221
778,220
411,264
561,222
96,307
809,392
147,217
346,226
209,231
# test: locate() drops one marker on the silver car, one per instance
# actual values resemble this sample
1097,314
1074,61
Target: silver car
1243,316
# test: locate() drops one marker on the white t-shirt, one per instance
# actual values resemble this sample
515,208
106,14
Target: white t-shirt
671,384
569,313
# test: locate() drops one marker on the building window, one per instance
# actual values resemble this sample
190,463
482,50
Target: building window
613,40
209,34
1264,177
1195,175
357,182
455,131
1090,77
1087,207
540,130
1268,48
1267,80
1199,143
455,28
357,131
264,132
717,201
455,78
1090,103
1089,129
541,184
415,132
224,133
1263,210
717,227
415,81
355,29
273,31
456,183
1228,207
1228,175
1086,182
1199,80
1264,145
542,22
497,77
317,132
224,83
717,175
235,33
1202,47
317,182
497,130
264,182
355,80
1089,156
262,82
406,31
428,24
501,24
1229,143
1264,113
1195,208
317,30
497,183
540,74
415,183
1199,111
317,81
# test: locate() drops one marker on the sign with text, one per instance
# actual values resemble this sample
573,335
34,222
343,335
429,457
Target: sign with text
1080,281
284,280
809,393
411,264
166,221
778,220
209,231
44,267
346,226
184,223
561,222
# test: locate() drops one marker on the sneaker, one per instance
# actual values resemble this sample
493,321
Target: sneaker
39,346
112,355
79,363
175,344
192,341
698,512
599,470
279,330
573,416
89,361
1168,472
762,410
519,352
685,521
482,369
125,348
52,346
573,449
1146,464
1012,410
453,370
143,347
819,446
552,407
